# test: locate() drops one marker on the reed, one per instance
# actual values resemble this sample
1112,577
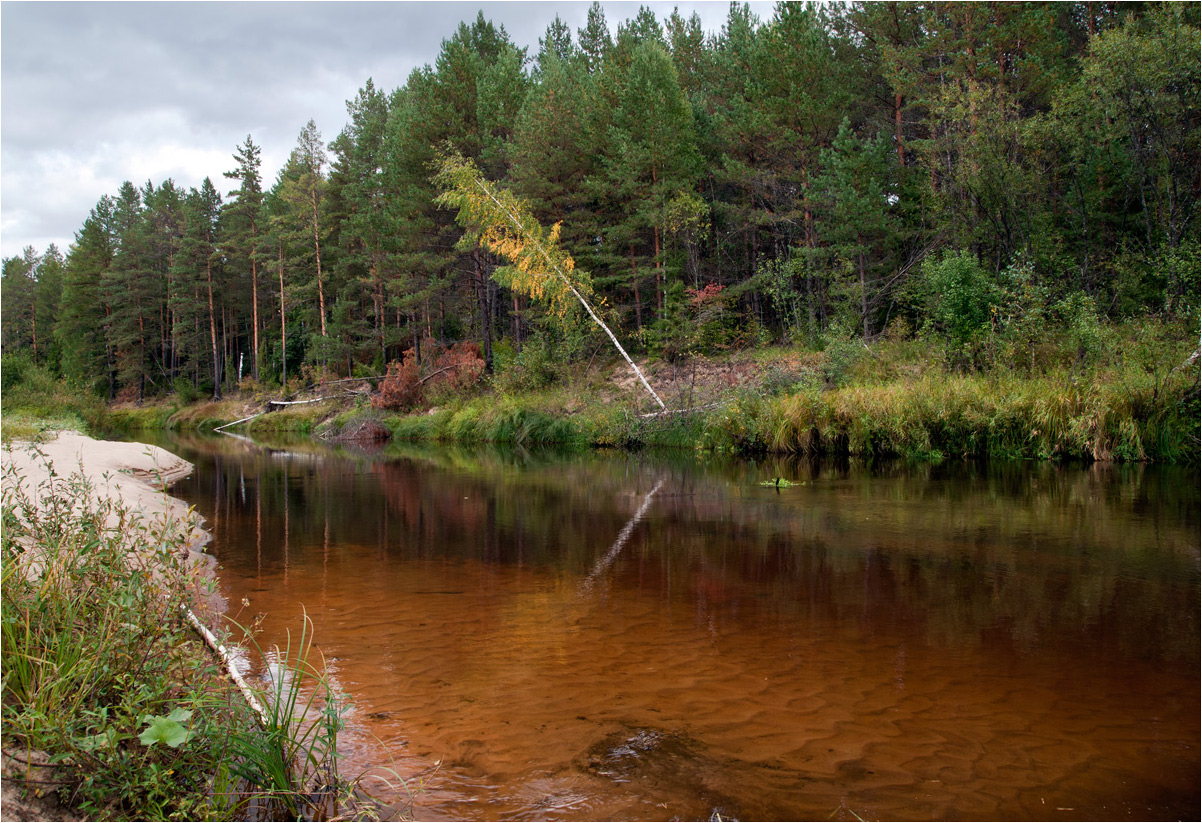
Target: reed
289,765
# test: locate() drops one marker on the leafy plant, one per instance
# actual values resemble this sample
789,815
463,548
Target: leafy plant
101,671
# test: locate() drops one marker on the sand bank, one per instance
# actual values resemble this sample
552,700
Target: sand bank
134,474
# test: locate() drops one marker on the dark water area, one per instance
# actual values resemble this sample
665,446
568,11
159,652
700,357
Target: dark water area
651,637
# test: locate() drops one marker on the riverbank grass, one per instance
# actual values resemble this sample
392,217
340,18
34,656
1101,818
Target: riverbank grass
106,688
99,669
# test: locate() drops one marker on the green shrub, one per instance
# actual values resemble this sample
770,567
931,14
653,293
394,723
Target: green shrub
841,353
956,294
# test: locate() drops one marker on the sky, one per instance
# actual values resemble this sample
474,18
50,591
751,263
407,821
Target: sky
96,93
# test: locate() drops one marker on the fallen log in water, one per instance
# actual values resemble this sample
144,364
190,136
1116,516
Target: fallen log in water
269,410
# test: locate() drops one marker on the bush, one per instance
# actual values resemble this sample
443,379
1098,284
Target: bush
452,370
841,353
957,295
534,368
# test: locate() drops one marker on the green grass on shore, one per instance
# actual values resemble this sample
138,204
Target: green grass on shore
1133,397
103,673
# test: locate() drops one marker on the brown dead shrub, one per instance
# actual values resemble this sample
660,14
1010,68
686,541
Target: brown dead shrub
404,386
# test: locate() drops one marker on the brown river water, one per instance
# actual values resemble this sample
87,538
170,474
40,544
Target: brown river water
649,637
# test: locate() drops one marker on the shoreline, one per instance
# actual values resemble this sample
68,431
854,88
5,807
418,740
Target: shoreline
136,476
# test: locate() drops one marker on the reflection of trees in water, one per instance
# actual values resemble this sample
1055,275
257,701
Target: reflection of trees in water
959,552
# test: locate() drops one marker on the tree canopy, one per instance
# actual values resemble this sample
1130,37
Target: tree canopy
821,169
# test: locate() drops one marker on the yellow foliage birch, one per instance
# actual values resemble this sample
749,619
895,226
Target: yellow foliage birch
503,224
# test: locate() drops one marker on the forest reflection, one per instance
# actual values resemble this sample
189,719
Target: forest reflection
648,636
1039,552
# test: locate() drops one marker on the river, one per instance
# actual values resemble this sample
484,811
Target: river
655,637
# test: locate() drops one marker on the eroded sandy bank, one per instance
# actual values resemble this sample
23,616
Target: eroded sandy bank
134,474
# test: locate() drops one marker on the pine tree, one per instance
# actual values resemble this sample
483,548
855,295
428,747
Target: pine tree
85,304
18,312
594,39
200,258
303,190
652,158
856,184
49,300
130,285
358,192
242,230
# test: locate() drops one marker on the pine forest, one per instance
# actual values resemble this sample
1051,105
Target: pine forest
968,175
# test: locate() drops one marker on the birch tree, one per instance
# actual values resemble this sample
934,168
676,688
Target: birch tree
500,222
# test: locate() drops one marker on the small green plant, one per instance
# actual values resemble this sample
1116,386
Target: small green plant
101,671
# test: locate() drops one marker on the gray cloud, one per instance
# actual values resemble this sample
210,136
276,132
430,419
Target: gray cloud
92,94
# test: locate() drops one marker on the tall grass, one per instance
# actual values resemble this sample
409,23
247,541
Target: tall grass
101,671
1129,416
290,765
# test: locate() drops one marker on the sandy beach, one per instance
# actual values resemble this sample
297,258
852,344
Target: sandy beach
133,473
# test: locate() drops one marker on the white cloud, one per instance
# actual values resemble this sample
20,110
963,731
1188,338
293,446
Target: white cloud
97,93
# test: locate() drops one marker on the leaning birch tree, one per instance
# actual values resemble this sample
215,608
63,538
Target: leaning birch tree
502,223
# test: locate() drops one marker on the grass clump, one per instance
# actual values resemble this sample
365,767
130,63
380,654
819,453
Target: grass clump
101,672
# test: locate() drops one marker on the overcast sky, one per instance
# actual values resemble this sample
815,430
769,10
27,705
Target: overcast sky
95,93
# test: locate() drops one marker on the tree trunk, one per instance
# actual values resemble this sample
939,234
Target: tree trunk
321,294
378,299
485,309
517,324
659,278
254,301
863,288
897,122
213,333
283,327
638,302
141,353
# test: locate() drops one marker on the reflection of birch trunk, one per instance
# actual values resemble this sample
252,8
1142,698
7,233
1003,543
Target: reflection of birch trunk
616,549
